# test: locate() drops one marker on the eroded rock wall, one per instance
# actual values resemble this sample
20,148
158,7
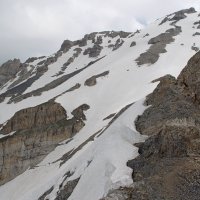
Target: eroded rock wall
37,131
168,166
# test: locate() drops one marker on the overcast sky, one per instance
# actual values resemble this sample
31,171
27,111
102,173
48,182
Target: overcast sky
38,27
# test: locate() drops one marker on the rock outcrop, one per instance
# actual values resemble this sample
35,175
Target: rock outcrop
119,42
158,45
16,93
195,48
177,16
36,132
67,190
94,37
168,166
93,80
71,59
93,51
133,44
9,70
196,34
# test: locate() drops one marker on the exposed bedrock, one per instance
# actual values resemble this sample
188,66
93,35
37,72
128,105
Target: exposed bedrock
158,45
16,92
32,59
66,190
133,44
196,34
197,23
97,40
195,48
119,42
93,51
93,80
9,70
177,16
168,166
27,78
37,131
169,163
71,59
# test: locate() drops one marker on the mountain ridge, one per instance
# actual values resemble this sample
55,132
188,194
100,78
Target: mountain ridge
92,80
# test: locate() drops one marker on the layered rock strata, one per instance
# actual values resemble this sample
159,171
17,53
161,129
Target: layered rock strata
32,133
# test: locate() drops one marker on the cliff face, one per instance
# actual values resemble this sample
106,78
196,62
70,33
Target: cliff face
36,132
168,166
169,160
9,70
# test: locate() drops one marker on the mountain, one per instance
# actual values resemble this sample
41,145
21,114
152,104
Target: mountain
107,116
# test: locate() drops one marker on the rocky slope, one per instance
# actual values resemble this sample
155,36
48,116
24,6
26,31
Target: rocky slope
168,166
34,132
68,119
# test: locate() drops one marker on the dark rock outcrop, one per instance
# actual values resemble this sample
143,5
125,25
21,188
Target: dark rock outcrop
195,48
196,34
27,78
16,92
93,51
133,44
66,45
93,80
168,166
71,59
97,40
114,34
146,35
43,197
38,131
75,87
157,47
67,190
9,70
177,16
118,44
32,59
197,24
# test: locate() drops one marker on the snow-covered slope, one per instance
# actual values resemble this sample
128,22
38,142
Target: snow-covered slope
96,157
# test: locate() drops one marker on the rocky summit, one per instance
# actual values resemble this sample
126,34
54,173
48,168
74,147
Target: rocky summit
112,116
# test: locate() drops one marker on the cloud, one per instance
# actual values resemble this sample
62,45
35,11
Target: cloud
38,27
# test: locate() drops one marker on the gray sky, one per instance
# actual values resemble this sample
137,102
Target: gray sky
38,27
